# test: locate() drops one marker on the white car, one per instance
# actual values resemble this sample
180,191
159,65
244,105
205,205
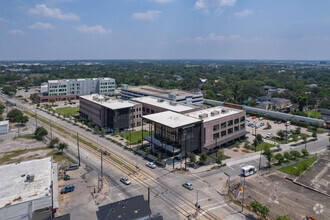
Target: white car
188,185
269,135
288,123
261,118
151,165
125,180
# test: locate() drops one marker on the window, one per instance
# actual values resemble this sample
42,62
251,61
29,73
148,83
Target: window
215,127
223,125
230,130
236,121
230,123
236,128
223,133
242,118
216,136
242,125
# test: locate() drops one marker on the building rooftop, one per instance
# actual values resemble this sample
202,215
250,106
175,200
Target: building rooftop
214,113
132,208
4,122
171,119
159,91
109,103
63,80
14,187
166,104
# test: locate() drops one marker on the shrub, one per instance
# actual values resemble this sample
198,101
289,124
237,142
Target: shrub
280,158
305,153
284,217
287,156
192,158
203,157
295,154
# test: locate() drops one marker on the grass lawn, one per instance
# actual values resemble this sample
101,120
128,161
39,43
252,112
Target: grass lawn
280,141
27,136
135,136
263,145
297,168
69,111
311,114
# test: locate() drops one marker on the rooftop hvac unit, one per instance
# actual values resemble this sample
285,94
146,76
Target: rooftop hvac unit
224,110
160,100
29,178
215,112
201,116
173,103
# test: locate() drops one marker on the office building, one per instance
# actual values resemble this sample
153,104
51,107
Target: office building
29,189
180,96
70,89
110,114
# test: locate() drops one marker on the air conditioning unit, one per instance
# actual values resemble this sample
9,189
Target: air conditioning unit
215,112
160,100
173,103
201,116
224,111
29,178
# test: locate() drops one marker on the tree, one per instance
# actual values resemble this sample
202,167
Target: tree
53,142
34,98
203,157
283,217
96,129
280,158
259,138
287,156
295,154
23,119
298,130
218,160
221,153
103,132
89,124
2,108
14,114
159,157
302,101
268,154
305,153
281,134
314,135
192,158
264,211
52,101
62,146
40,132
268,126
10,90
305,140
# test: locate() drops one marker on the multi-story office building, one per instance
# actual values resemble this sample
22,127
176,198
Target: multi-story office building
29,189
128,92
110,114
65,89
200,131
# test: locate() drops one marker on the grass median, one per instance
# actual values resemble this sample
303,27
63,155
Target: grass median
298,168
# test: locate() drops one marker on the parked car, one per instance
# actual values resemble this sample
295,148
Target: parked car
248,115
269,135
188,185
125,180
72,167
254,117
66,177
261,118
280,122
247,120
275,122
287,123
262,124
151,165
67,189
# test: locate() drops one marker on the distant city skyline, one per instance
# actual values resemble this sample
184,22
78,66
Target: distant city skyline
164,29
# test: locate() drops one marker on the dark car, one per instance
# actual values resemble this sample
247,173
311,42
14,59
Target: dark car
67,189
72,167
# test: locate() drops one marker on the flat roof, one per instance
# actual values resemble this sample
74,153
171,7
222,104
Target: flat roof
214,113
4,122
163,103
109,103
66,80
15,189
159,91
171,119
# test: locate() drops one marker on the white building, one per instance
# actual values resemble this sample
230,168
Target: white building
180,96
26,189
4,127
103,86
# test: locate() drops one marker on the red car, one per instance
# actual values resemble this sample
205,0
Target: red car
279,122
254,117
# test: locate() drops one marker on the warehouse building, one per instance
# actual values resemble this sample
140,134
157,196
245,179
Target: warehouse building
4,127
110,114
180,96
70,89
153,105
29,189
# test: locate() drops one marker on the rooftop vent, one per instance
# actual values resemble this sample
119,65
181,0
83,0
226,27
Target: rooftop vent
215,112
29,178
160,100
173,103
224,110
201,116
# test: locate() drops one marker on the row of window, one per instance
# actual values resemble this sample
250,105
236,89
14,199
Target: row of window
227,132
228,123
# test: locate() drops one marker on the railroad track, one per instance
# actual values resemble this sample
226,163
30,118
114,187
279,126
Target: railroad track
124,169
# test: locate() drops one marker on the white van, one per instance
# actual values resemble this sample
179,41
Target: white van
248,170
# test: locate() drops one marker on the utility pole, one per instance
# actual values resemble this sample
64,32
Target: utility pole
286,133
260,159
243,194
36,118
78,148
197,207
185,150
50,128
149,196
255,137
101,165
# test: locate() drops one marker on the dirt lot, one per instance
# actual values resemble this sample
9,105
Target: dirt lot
284,197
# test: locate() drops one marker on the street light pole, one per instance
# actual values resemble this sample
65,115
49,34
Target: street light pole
36,118
185,150
255,137
286,133
78,148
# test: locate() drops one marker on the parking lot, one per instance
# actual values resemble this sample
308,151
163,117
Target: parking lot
284,197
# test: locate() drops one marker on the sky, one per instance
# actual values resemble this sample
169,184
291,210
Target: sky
164,29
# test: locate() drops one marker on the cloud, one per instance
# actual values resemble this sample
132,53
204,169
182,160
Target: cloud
42,26
244,13
205,4
162,1
15,32
209,38
150,15
212,37
97,29
43,10
3,20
